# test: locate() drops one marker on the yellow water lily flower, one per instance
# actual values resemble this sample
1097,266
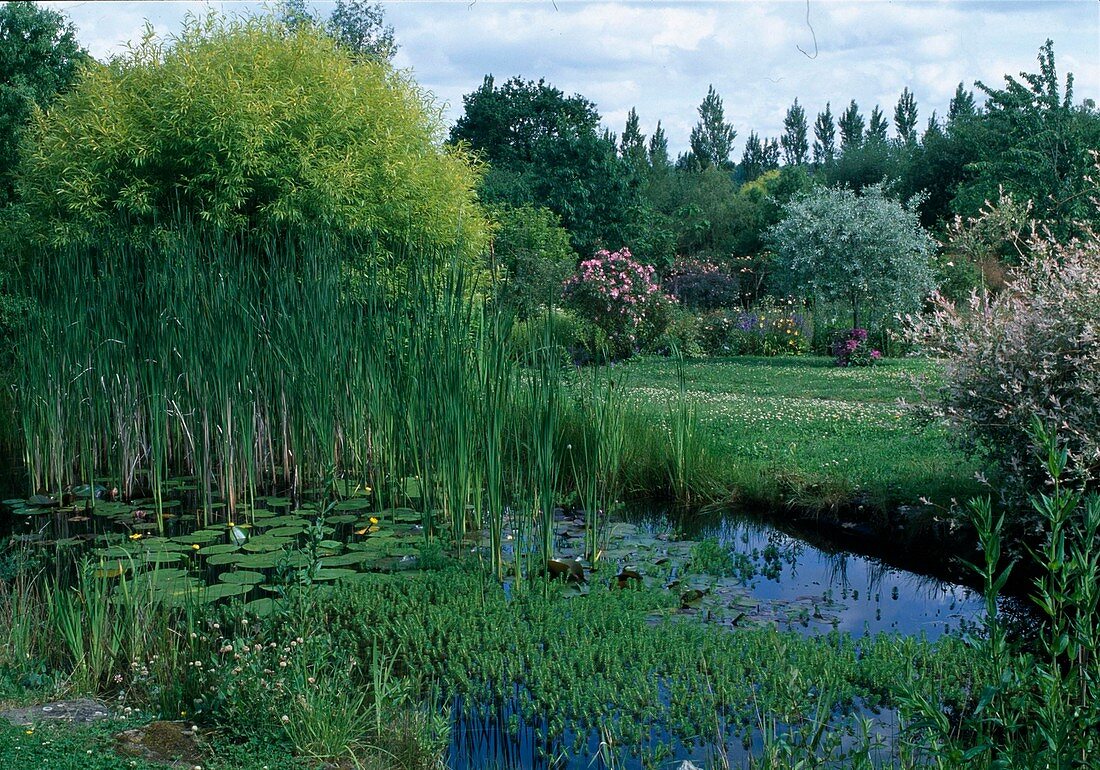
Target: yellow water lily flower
373,519
136,536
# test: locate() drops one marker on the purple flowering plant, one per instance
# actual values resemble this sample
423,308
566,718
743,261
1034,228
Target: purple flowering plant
851,349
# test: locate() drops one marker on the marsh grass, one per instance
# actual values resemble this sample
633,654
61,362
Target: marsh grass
321,366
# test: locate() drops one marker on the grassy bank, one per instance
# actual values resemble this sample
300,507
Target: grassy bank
779,431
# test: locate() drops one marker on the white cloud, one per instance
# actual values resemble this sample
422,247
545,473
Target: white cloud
660,56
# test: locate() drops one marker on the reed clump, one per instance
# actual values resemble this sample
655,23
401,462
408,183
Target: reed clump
320,364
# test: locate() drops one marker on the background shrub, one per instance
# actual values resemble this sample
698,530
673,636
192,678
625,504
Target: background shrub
533,251
579,340
701,285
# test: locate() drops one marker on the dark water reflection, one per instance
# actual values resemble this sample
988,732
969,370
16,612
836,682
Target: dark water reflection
852,592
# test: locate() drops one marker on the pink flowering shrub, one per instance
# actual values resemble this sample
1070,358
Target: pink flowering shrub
1032,351
622,298
852,349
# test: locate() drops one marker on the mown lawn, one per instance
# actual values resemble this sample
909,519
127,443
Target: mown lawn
803,431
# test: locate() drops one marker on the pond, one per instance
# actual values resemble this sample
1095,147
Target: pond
726,569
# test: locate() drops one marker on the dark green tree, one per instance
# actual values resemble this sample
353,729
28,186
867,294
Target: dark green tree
632,144
533,252
933,170
547,149
658,148
851,127
796,147
962,106
824,137
1036,144
760,156
905,118
712,138
39,59
877,128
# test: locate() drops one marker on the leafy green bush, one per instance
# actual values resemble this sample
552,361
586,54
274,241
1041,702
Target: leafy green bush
682,335
248,127
533,249
579,341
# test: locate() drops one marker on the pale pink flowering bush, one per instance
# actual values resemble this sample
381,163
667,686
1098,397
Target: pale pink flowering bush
621,297
1032,351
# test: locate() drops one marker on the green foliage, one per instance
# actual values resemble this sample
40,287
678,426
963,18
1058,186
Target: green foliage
866,250
877,127
824,137
545,149
300,137
682,335
1035,143
578,340
905,117
534,252
40,58
1035,705
760,156
796,147
712,137
851,127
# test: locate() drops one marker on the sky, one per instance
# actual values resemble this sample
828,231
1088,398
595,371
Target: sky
660,57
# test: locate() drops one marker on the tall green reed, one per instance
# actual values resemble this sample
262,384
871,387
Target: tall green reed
1039,702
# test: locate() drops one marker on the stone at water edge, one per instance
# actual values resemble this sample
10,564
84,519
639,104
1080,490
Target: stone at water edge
82,710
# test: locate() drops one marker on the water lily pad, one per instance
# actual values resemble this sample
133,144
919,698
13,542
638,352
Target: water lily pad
289,530
261,607
324,574
161,557
266,546
225,558
242,577
285,520
347,559
112,570
212,550
200,536
361,504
